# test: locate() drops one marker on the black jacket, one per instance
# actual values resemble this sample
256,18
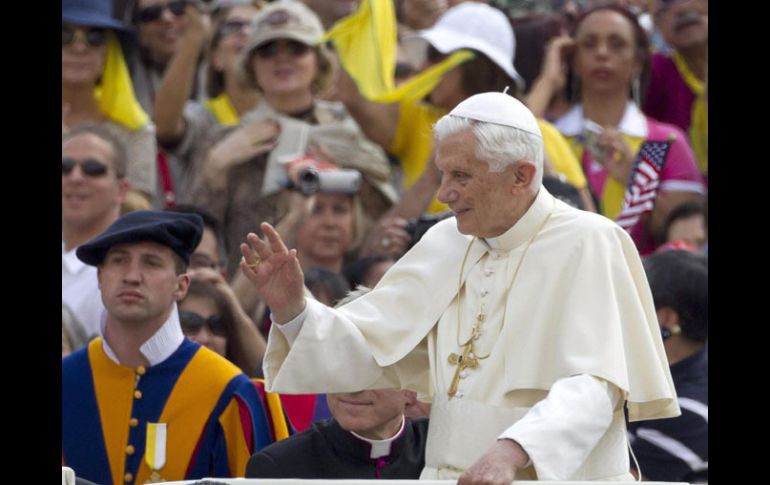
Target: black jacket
325,450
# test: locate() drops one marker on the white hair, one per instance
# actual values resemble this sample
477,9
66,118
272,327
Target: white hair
498,145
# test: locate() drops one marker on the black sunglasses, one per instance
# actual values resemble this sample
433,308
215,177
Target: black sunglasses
90,167
95,37
153,13
192,323
270,49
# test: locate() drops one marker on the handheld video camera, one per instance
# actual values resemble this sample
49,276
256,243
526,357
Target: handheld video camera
346,181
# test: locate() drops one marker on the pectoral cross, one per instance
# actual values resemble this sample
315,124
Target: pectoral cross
467,359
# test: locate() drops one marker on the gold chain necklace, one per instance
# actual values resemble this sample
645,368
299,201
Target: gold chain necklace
469,358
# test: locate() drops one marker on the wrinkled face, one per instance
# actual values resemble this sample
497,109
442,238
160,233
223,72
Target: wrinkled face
483,201
327,233
89,200
691,230
284,67
234,35
374,414
203,334
83,56
683,23
160,34
139,283
605,56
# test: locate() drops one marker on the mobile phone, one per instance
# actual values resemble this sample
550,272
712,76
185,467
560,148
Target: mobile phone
591,133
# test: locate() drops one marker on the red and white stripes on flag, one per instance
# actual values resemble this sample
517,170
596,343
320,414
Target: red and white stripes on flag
643,185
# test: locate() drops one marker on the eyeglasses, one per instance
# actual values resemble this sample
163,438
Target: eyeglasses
94,37
270,49
153,13
232,26
192,323
90,167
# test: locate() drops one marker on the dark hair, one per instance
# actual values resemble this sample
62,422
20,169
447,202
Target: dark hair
334,284
641,39
533,32
203,289
357,271
481,75
684,210
120,154
680,280
210,221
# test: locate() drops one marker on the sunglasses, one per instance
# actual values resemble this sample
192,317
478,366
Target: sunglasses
153,13
232,26
94,37
90,167
192,323
270,49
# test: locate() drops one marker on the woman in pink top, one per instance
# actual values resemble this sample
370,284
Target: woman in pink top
638,169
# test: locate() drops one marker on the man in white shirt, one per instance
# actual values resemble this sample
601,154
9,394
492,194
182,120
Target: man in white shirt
93,186
528,323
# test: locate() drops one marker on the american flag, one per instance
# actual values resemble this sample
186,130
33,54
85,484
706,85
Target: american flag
643,185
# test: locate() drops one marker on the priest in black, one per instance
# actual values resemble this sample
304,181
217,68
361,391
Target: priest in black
369,437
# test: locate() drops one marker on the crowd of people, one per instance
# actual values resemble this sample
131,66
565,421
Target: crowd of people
525,197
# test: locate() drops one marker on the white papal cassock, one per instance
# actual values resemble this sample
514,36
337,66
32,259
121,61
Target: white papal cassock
578,318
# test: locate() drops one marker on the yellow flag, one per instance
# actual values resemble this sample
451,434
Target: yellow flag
115,93
366,43
223,110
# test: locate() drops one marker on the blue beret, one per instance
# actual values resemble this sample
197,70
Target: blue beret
179,231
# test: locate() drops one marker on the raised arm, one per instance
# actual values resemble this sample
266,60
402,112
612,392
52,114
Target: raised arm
275,272
177,84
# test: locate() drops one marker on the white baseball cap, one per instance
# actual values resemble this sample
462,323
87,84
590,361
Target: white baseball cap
469,25
498,108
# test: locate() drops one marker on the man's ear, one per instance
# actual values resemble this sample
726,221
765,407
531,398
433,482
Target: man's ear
523,175
183,283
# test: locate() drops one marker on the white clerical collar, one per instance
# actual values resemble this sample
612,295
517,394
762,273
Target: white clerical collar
526,226
71,261
381,447
633,122
157,348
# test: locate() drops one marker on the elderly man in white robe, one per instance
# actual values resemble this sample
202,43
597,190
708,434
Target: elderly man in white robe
527,323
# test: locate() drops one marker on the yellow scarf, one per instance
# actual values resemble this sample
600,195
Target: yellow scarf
366,43
699,122
223,110
115,92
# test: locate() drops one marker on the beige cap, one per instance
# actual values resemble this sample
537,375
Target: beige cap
498,108
285,20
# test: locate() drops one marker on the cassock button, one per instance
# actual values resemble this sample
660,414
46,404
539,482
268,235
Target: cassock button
463,374
459,395
484,292
141,370
138,394
133,422
130,450
128,477
488,272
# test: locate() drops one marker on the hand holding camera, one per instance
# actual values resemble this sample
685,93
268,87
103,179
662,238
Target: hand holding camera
607,147
310,175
